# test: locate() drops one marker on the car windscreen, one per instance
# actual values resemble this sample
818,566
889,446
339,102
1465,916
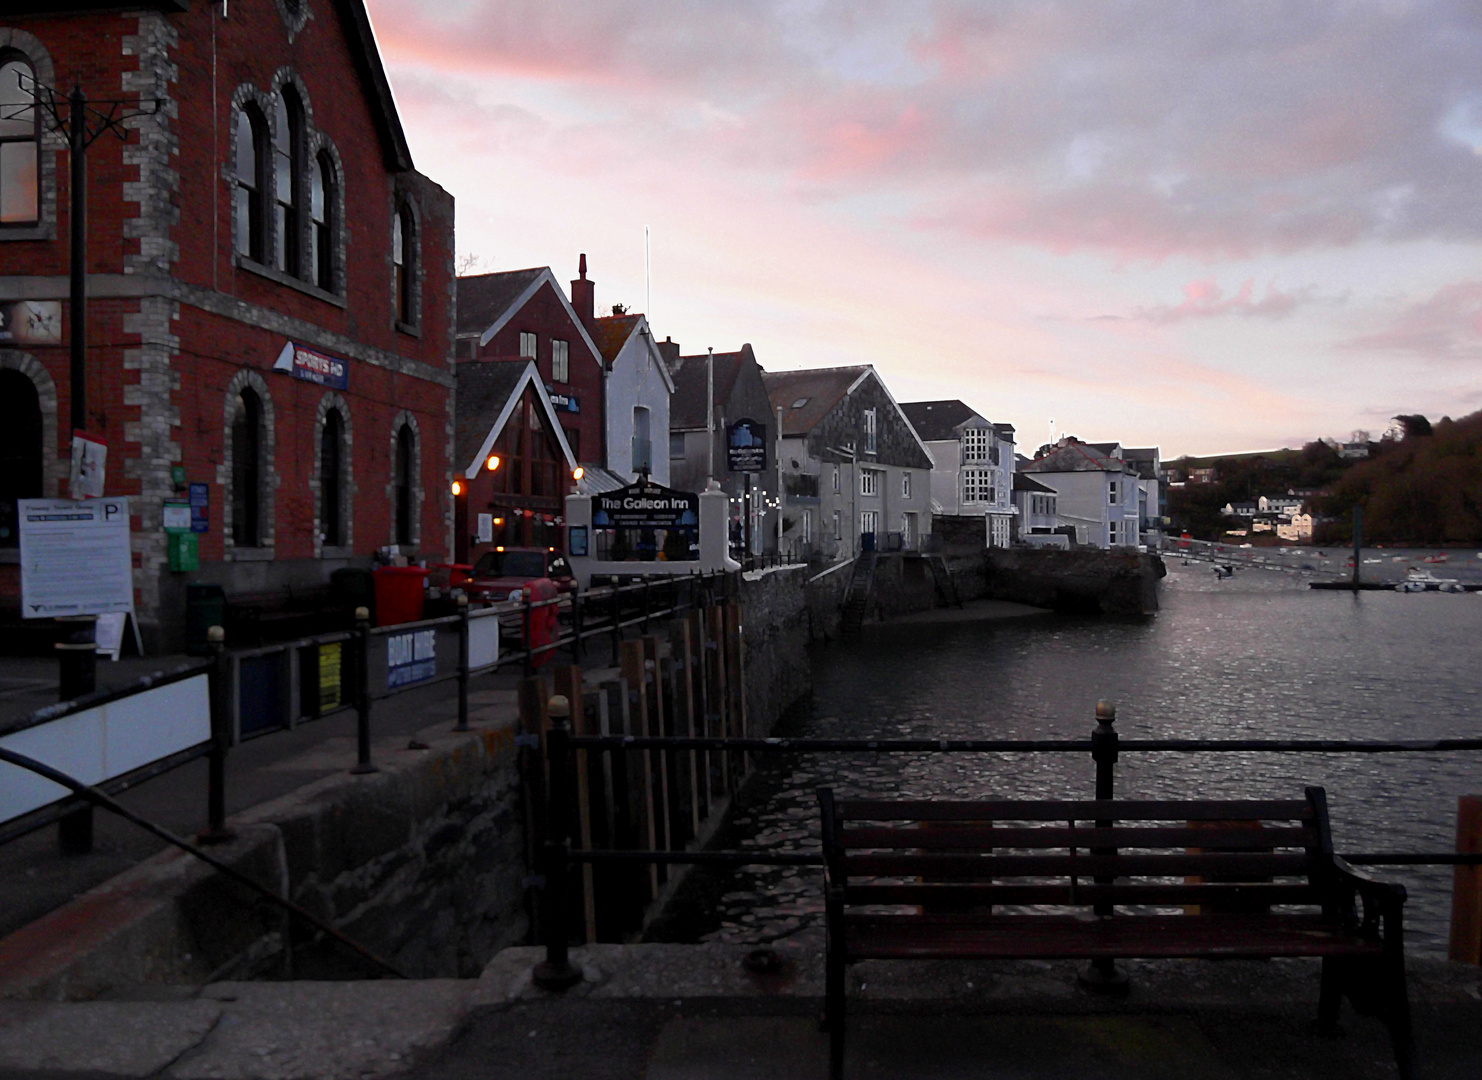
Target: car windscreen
515,564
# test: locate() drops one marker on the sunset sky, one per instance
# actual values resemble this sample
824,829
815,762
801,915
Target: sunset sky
1207,226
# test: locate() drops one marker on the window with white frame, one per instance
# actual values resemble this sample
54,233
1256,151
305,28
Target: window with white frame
527,344
869,521
560,362
977,485
869,481
906,484
1111,493
870,440
976,444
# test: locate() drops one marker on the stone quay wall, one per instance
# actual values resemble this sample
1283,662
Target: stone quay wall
1092,581
774,632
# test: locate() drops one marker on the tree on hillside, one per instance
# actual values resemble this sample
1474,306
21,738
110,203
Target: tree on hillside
1421,490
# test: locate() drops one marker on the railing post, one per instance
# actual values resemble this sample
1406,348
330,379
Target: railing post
77,675
1102,975
219,682
617,632
1466,884
462,724
647,603
362,692
556,972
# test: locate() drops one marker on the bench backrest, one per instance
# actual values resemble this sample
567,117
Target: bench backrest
1220,855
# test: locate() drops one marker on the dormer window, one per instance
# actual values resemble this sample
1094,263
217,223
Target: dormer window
801,402
976,444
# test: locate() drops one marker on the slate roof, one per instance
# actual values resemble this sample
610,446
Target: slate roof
937,421
819,390
1029,483
611,333
483,389
1143,460
1077,457
483,298
687,406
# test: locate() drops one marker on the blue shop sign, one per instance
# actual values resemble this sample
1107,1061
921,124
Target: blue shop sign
410,657
313,366
564,402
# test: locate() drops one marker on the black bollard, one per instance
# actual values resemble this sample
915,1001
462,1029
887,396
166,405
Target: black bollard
1102,975
556,972
77,676
363,762
219,680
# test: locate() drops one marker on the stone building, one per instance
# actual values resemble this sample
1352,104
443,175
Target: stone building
269,280
855,472
973,475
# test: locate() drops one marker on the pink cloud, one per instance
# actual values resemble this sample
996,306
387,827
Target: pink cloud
1448,326
1205,299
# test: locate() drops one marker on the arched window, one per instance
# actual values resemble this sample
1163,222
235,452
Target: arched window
288,139
20,450
403,257
248,197
20,138
332,480
406,476
247,442
321,211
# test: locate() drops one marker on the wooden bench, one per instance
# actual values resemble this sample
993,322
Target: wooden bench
1011,880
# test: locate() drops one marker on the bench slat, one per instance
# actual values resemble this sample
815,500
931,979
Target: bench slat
1067,937
1083,810
1206,864
985,895
985,837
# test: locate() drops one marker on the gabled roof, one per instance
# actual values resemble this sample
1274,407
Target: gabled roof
938,421
359,35
487,302
612,332
1029,483
487,393
687,405
1076,456
815,391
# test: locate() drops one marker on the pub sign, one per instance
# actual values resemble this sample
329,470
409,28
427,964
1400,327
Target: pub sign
746,446
643,505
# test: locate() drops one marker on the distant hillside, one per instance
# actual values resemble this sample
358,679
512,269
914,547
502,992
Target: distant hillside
1244,478
1424,489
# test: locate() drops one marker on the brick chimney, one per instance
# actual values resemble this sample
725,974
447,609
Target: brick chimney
584,294
669,350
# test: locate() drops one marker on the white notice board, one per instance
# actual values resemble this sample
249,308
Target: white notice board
75,557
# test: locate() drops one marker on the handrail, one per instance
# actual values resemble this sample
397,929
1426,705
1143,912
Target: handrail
98,798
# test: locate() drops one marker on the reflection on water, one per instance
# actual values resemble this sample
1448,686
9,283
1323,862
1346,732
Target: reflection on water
1257,656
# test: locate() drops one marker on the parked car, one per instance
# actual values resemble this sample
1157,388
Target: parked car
502,574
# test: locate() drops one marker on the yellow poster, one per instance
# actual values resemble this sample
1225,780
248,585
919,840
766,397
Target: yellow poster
329,677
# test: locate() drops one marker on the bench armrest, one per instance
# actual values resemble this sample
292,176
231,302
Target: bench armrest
1382,900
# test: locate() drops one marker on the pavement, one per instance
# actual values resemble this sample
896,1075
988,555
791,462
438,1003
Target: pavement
697,1012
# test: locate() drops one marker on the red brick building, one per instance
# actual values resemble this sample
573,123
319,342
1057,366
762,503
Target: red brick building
523,315
271,299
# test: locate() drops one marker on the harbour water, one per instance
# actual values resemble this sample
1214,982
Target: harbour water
1258,655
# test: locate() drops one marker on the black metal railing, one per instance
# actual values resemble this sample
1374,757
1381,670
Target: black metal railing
1104,747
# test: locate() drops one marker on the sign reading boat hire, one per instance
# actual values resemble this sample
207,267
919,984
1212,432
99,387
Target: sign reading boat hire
646,506
314,367
410,657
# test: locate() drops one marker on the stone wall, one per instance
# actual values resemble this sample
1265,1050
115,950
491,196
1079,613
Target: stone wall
774,628
1083,580
422,862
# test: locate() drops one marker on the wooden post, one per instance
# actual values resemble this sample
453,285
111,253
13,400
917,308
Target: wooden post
1466,884
653,675
568,685
686,700
630,660
696,621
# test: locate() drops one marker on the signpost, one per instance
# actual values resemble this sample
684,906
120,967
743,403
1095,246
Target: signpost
746,446
75,557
